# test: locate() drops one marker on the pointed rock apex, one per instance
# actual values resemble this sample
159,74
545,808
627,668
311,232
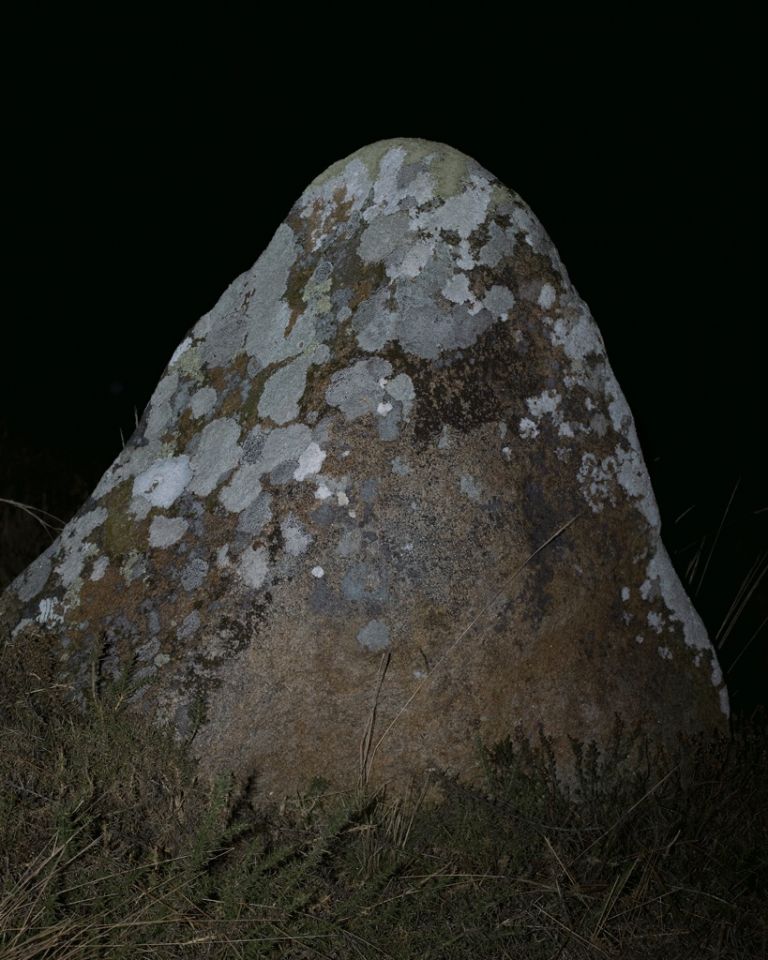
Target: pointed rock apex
390,469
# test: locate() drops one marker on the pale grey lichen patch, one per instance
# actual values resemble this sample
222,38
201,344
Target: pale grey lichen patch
99,568
243,488
400,467
547,296
310,462
283,391
296,540
165,531
661,574
217,453
401,389
255,517
34,578
444,441
251,306
194,574
189,626
254,566
283,445
578,336
389,190
160,408
75,547
462,213
203,402
374,636
383,236
632,474
163,482
356,390
500,244
499,302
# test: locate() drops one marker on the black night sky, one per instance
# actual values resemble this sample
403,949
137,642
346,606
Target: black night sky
136,195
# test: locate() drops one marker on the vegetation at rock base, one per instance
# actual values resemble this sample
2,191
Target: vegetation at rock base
112,847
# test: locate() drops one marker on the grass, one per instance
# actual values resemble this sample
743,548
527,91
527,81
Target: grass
112,847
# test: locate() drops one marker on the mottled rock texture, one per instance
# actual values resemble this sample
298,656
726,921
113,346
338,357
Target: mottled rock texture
342,466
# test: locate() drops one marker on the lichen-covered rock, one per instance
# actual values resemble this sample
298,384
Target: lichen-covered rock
346,463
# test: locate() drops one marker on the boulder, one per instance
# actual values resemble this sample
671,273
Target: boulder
386,501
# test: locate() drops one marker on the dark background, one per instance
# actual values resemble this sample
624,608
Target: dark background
136,193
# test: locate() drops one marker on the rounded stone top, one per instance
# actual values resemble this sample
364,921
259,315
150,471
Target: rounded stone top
449,166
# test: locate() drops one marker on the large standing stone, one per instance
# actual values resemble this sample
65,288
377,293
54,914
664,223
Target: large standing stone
345,462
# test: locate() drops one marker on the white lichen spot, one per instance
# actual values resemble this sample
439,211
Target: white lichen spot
161,659
445,441
383,409
222,556
317,572
352,514
546,296
419,674
310,462
345,453
164,481
99,568
457,289
639,638
48,614
295,537
565,430
506,453
322,492
665,653
342,499
625,593
254,566
546,403
165,531
528,429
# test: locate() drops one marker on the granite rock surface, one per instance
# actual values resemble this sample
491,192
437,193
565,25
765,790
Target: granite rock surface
392,467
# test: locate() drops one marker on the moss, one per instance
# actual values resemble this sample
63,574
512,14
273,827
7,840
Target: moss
120,528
